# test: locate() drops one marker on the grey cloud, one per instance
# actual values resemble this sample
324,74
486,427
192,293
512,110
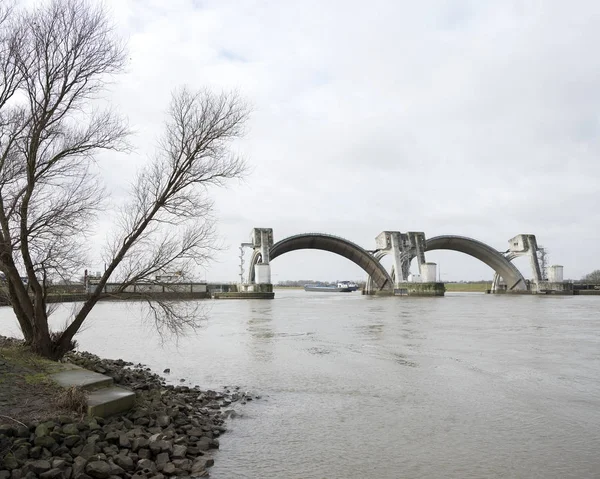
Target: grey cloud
473,118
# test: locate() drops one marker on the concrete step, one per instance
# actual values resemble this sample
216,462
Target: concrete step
88,380
110,400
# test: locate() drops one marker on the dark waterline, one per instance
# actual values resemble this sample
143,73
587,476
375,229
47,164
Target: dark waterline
466,386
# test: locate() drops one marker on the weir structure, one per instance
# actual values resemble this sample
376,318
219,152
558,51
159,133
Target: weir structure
404,248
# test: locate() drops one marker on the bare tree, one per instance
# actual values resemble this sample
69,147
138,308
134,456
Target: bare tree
593,277
54,62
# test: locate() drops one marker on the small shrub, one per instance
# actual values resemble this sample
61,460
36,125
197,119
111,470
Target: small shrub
73,399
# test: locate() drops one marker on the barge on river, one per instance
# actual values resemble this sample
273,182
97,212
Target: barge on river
341,287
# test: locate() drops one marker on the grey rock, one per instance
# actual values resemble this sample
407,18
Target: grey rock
59,464
16,474
163,421
162,459
71,441
115,469
42,430
40,466
98,469
124,441
51,474
112,437
65,419
70,429
183,464
179,451
144,454
5,474
195,432
139,443
22,431
169,469
21,453
125,462
45,441
10,462
88,451
203,444
146,465
60,451
79,466
93,425
111,450
203,462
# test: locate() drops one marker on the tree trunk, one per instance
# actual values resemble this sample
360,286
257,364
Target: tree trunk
42,344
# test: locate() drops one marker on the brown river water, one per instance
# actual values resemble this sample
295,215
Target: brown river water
465,386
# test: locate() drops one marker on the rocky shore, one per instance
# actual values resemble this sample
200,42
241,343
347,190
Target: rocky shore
171,431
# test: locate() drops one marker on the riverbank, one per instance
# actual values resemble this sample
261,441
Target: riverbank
171,431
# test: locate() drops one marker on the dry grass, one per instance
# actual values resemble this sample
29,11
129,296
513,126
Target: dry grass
72,399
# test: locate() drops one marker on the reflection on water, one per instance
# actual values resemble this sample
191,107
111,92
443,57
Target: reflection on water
465,386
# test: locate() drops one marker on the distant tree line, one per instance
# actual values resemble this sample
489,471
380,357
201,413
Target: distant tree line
593,277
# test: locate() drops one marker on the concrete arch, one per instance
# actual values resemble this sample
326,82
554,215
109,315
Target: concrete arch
483,252
256,258
333,244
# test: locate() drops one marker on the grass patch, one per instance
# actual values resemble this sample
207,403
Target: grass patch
20,355
27,391
37,378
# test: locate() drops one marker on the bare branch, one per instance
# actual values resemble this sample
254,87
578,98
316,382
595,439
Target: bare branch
55,60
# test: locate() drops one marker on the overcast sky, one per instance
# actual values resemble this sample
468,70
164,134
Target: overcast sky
475,118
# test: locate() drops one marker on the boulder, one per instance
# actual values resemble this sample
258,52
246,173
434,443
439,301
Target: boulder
125,462
10,462
169,469
39,467
70,429
42,430
21,453
79,466
195,432
124,441
45,441
115,469
98,469
146,465
59,464
183,464
163,421
144,454
71,441
179,451
54,473
88,451
162,459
